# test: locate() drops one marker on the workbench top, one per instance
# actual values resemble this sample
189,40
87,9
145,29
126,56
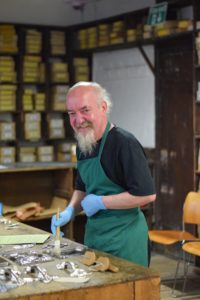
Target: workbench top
129,283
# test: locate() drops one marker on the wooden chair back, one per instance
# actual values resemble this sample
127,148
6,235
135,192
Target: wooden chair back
191,208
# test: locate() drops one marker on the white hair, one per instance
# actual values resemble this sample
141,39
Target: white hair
102,94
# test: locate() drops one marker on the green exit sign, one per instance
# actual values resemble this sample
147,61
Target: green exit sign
157,14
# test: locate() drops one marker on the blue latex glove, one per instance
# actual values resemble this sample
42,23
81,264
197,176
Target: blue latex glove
65,216
91,204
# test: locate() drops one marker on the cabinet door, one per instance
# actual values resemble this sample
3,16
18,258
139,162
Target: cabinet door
174,129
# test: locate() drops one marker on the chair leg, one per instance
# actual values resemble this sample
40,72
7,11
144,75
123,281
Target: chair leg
176,273
186,268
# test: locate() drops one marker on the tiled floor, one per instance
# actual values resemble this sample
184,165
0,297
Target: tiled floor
166,267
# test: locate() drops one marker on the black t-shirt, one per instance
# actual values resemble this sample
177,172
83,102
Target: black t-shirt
124,162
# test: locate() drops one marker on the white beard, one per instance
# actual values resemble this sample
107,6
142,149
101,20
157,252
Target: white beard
86,142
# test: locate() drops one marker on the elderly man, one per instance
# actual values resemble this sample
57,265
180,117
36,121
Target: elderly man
113,178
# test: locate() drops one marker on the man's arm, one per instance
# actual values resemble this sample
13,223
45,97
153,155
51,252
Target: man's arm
125,200
93,203
76,199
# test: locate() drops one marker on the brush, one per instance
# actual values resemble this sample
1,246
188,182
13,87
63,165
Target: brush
57,238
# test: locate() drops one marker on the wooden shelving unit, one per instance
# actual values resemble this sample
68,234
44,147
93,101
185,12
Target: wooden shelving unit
32,94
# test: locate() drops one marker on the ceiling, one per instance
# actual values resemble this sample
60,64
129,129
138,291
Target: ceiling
62,12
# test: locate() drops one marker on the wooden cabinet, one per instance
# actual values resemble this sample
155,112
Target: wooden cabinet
39,183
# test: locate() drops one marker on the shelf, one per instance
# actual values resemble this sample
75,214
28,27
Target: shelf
9,54
137,43
36,166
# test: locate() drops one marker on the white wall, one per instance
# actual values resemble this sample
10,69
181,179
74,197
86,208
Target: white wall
127,77
60,12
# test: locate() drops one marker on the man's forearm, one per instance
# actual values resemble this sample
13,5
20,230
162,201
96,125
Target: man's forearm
125,200
76,199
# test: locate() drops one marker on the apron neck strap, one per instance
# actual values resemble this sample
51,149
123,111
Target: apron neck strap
103,140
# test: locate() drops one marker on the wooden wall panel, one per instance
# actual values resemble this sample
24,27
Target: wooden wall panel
174,129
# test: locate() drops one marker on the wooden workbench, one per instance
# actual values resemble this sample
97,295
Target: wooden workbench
132,282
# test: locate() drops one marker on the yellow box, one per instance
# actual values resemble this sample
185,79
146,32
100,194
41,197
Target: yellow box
45,150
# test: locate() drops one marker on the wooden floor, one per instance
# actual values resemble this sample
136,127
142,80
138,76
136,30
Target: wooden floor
166,267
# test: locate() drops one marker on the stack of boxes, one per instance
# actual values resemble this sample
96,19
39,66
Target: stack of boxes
27,154
33,69
117,33
8,98
147,32
7,155
7,69
98,36
131,35
33,100
33,41
141,31
184,25
59,72
57,42
81,69
83,38
32,126
40,101
45,153
103,39
32,154
66,152
114,33
56,127
27,100
165,28
92,37
8,39
59,93
7,131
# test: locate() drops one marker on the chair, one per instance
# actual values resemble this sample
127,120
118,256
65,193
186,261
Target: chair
191,248
191,215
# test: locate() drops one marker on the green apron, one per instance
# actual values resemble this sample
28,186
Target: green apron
121,232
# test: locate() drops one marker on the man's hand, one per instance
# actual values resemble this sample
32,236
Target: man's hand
91,204
65,216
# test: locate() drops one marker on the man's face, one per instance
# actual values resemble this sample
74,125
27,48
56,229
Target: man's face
85,113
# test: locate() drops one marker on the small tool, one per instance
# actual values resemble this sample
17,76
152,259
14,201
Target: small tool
57,239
